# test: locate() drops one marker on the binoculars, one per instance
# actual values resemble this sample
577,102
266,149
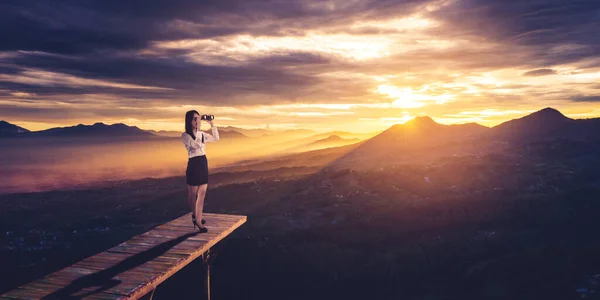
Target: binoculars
207,117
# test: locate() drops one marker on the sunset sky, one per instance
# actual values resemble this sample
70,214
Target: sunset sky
356,65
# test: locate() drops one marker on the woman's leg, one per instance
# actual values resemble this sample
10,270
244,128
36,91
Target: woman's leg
200,201
192,196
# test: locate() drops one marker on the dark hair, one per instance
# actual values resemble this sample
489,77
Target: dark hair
189,116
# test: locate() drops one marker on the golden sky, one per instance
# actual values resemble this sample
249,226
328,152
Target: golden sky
360,66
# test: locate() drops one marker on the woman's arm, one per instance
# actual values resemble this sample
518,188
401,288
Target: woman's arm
215,133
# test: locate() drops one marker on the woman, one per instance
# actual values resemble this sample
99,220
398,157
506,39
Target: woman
197,168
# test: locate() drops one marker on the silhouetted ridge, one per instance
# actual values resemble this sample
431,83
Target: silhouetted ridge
548,114
545,124
97,129
333,140
8,129
227,134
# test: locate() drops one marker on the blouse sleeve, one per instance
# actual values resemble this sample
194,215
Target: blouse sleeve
215,135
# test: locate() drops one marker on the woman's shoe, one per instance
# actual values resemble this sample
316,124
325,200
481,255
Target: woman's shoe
200,229
194,219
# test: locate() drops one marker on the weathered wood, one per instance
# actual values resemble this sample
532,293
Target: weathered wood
135,267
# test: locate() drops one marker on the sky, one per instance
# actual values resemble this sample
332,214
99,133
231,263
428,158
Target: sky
355,65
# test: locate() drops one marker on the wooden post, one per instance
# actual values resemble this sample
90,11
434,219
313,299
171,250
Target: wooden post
208,280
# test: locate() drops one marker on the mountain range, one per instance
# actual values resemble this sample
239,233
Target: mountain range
424,140
99,130
546,124
122,130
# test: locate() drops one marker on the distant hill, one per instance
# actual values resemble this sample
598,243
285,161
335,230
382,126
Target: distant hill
344,135
227,134
546,124
297,131
247,132
418,137
332,141
96,130
329,142
423,131
7,129
414,141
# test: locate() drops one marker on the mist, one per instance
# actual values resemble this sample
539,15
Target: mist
50,163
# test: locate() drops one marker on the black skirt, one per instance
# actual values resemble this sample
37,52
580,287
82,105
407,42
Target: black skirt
197,171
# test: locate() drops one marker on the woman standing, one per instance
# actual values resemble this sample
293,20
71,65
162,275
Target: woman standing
196,173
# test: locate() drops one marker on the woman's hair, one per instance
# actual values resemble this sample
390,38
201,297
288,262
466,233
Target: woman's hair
189,116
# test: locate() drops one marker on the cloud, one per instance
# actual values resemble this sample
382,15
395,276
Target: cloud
582,98
539,72
440,54
554,32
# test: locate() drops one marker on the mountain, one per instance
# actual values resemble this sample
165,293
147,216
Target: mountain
332,141
344,135
423,131
96,130
544,125
8,129
247,132
420,139
329,142
227,134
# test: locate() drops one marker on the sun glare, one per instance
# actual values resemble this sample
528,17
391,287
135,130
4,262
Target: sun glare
409,98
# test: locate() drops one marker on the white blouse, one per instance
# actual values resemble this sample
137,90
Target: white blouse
195,147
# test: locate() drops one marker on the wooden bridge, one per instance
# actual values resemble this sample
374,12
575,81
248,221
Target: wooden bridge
134,268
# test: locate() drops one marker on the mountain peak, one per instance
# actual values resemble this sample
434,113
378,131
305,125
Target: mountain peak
547,114
424,121
333,138
8,129
544,124
549,111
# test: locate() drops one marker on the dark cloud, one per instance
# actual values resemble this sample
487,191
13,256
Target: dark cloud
585,98
73,27
51,114
557,31
37,26
292,59
9,70
178,78
539,72
69,91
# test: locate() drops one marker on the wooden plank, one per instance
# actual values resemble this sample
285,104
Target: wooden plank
27,293
151,285
136,266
